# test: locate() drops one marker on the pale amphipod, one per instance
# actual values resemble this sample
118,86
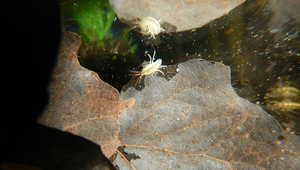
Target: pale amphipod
150,67
149,26
286,105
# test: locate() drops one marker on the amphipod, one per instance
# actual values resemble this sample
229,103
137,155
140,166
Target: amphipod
286,105
284,91
149,26
150,67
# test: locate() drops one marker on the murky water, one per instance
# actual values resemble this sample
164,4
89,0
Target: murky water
259,40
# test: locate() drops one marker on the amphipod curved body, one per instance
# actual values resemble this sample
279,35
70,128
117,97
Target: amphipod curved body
150,26
150,67
286,105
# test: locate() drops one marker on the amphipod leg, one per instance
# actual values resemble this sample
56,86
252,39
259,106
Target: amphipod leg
133,28
152,35
150,58
160,71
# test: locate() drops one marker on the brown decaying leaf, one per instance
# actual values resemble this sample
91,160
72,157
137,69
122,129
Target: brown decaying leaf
81,103
197,121
184,15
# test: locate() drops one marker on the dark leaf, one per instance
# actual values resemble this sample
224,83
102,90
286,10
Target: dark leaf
81,103
197,121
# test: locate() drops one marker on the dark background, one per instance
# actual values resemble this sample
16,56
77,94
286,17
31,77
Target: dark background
31,38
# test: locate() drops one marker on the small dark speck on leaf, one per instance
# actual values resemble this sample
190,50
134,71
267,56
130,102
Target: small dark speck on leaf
129,157
280,137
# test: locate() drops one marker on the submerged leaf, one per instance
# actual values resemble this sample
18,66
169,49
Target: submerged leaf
81,103
197,121
183,15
